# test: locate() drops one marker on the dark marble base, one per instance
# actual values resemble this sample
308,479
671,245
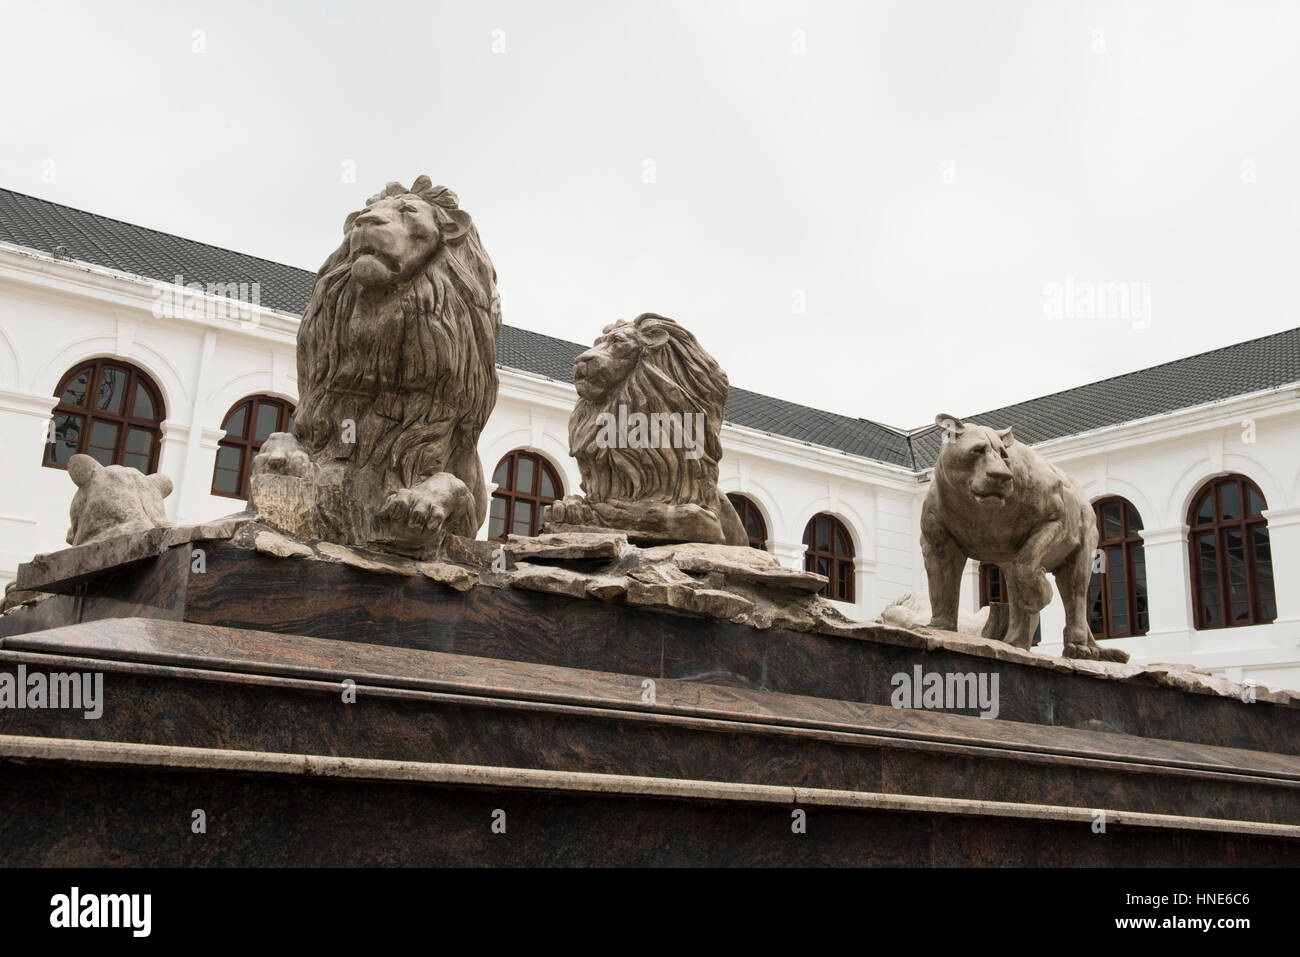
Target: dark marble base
241,588
71,814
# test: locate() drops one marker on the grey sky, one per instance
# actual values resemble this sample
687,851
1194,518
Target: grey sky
916,176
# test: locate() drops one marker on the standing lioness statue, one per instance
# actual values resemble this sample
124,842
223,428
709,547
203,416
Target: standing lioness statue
996,500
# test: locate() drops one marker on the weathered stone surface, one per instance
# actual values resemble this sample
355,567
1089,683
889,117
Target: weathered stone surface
461,579
912,610
738,563
567,546
547,578
997,500
606,588
397,372
273,543
646,434
114,500
371,562
689,598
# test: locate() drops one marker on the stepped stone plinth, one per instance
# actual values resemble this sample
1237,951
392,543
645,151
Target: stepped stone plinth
665,705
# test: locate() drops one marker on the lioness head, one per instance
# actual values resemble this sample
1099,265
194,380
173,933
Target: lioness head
599,371
114,500
397,233
974,461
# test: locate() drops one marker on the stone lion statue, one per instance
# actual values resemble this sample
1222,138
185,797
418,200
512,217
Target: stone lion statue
996,500
114,500
646,436
397,372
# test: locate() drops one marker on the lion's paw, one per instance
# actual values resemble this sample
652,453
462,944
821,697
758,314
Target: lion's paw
283,455
1094,652
418,517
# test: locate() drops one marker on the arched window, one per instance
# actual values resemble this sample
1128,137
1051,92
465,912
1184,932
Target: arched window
993,587
830,553
1232,565
109,410
525,482
247,425
752,519
1117,595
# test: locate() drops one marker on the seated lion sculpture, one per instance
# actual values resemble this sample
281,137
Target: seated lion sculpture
997,500
646,435
397,372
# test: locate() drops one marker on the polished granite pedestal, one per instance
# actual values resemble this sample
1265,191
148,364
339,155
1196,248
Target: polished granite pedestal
330,712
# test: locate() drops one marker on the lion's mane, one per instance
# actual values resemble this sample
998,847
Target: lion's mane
680,377
437,381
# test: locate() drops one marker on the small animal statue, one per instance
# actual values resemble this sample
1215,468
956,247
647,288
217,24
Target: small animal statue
114,500
997,500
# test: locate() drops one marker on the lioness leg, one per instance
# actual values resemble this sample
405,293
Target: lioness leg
944,562
1027,593
1072,582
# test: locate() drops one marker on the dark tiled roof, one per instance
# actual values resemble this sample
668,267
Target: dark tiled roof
1245,367
1235,370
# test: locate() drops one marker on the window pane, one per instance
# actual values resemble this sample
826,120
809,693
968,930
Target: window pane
842,538
103,442
237,423
112,385
807,533
74,393
67,432
1205,511
267,417
229,457
523,518
1134,521
823,535
524,475
138,462
226,477
1114,521
142,408
497,524
548,486
139,441
502,474
751,527
1230,501
1256,502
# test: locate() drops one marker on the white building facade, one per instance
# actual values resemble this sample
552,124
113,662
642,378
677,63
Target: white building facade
57,313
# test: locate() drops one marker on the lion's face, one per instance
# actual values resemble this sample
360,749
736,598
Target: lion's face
975,463
599,371
392,239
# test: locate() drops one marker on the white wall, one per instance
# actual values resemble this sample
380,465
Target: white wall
54,314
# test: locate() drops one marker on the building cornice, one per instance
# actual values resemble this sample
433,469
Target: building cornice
40,271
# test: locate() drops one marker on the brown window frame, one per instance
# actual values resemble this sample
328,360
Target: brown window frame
125,421
1130,544
1218,526
839,532
247,444
510,495
746,508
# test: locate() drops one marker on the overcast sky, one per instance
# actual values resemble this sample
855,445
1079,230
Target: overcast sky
881,209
